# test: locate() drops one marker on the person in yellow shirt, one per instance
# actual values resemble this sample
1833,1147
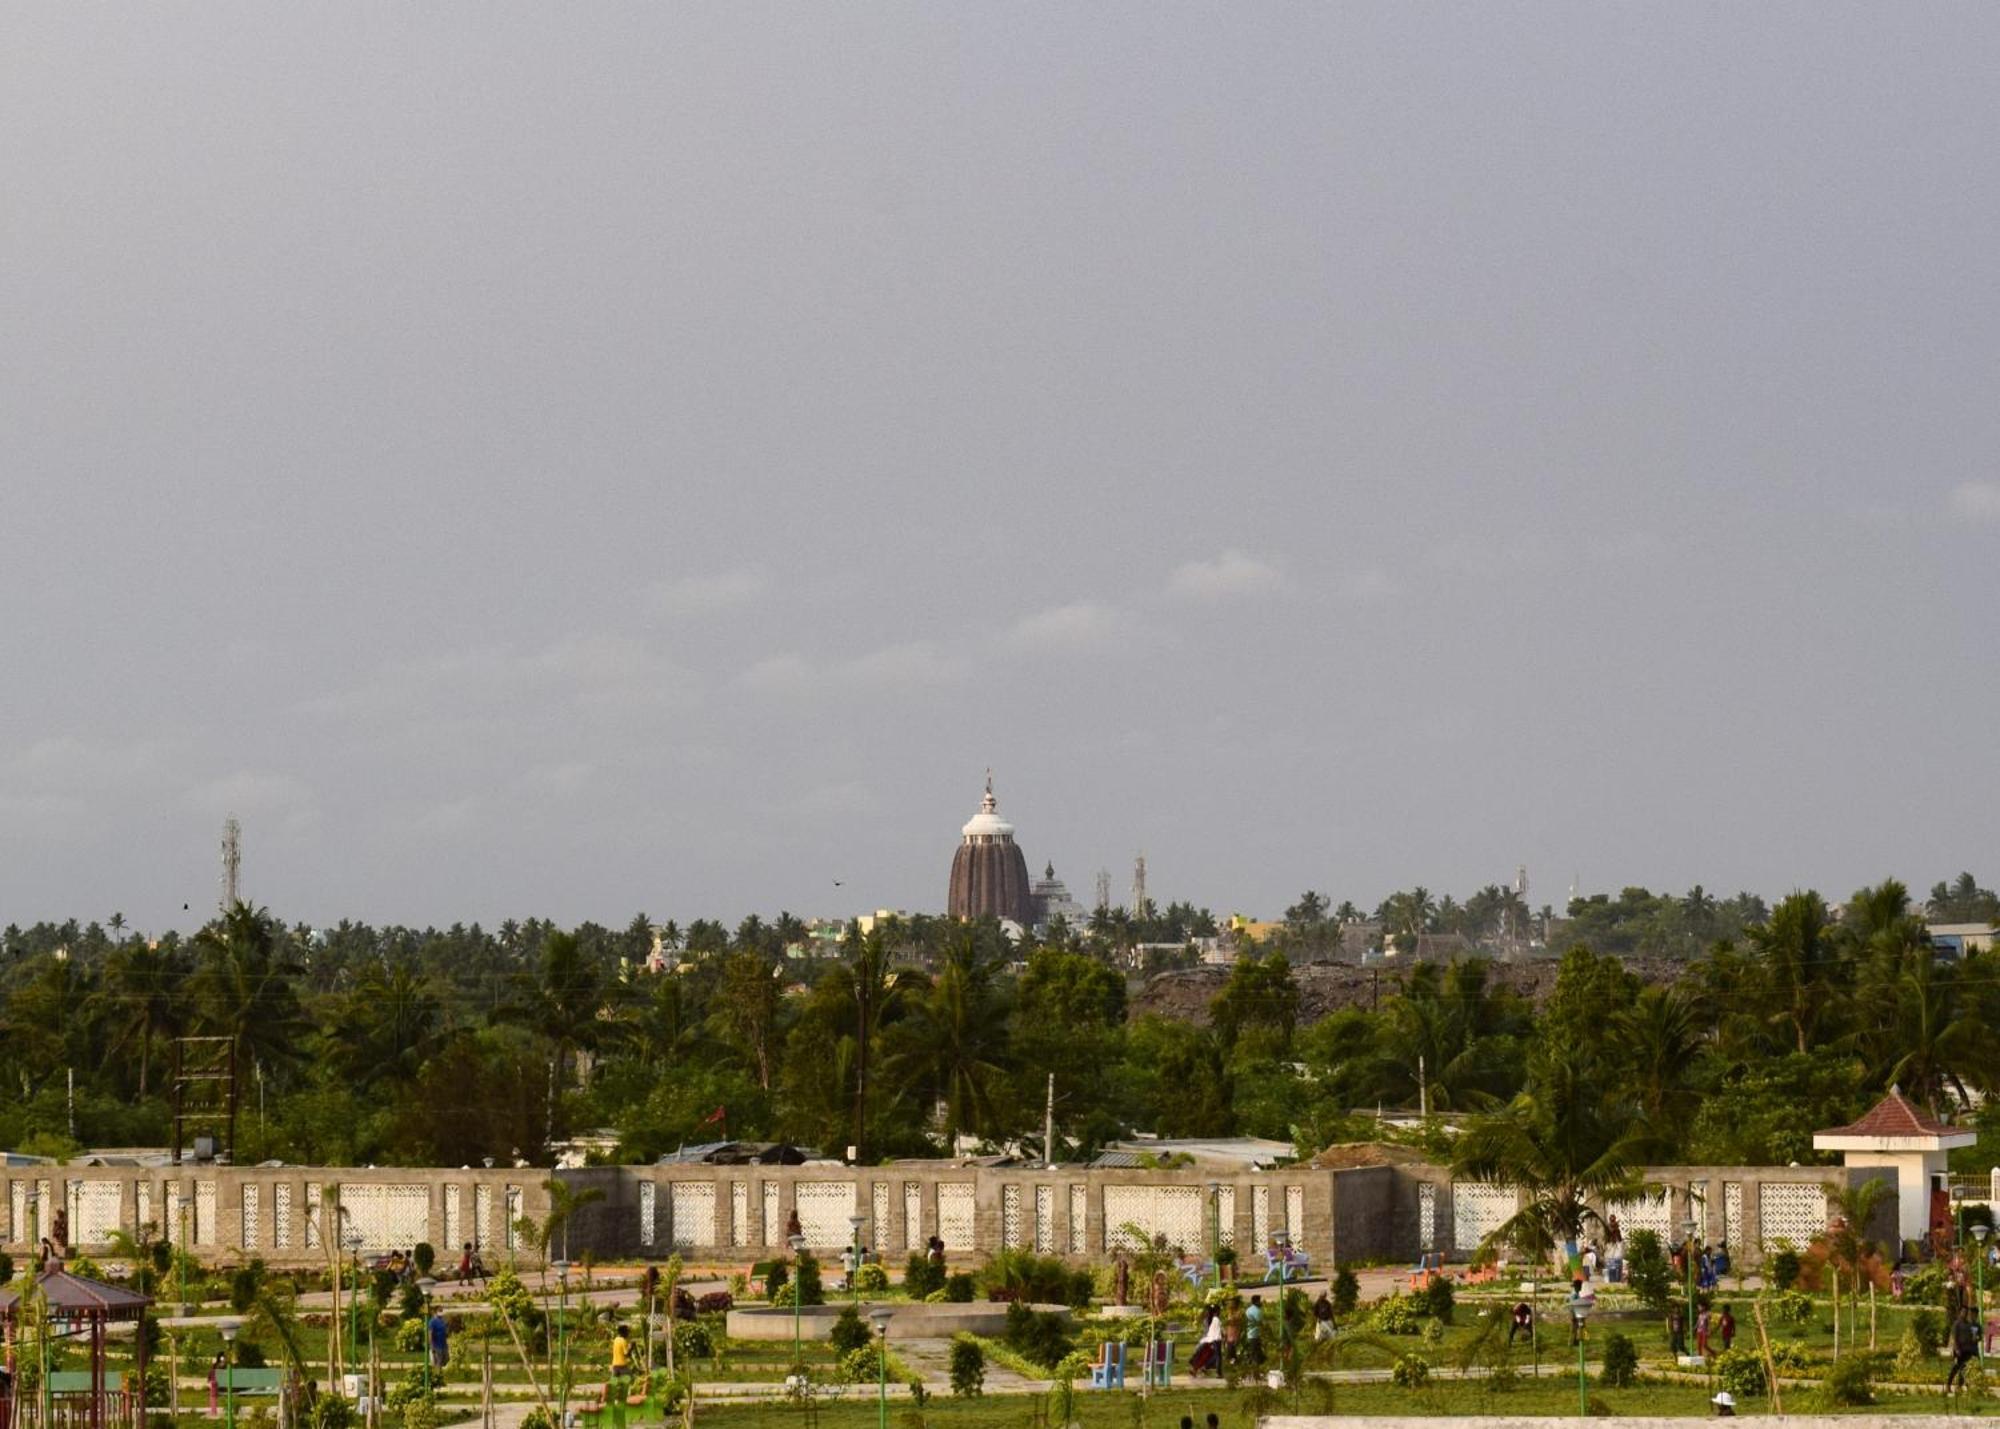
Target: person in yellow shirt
621,1353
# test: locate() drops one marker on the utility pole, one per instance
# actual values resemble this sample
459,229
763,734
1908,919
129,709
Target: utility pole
232,863
1423,1089
1048,1125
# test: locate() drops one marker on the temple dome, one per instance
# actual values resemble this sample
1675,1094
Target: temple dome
989,873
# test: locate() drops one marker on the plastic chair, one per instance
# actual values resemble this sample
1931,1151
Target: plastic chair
1157,1369
1109,1371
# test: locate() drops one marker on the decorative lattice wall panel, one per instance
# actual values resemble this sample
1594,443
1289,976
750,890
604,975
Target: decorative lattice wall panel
774,1222
1646,1212
1479,1208
511,1204
1174,1212
955,1216
1225,1214
824,1209
281,1215
454,1225
17,1211
692,1206
878,1212
913,1215
204,1213
1045,1219
95,1208
145,1208
739,1213
1732,1212
1295,1213
315,1205
1260,1216
253,1216
387,1216
1427,1215
1079,1220
649,1210
1010,1217
1697,1210
1791,1211
482,1215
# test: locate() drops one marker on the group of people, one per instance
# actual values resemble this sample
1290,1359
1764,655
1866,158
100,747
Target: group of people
1714,1329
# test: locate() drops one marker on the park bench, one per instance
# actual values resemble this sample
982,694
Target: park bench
1428,1270
1286,1263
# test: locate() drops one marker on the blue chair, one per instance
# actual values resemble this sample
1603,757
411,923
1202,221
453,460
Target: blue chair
1157,1368
1109,1371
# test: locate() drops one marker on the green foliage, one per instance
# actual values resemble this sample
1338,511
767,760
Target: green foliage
1346,1292
849,1333
1793,1357
1042,1279
508,1295
1925,1285
776,1279
871,1279
1039,1335
862,1365
968,1367
1411,1371
410,1337
1783,1268
538,1418
425,1255
807,1279
1791,1307
921,1276
1740,1371
693,1340
1647,1269
1924,1334
244,1283
1435,1300
1397,1315
1621,1362
959,1288
1850,1382
6,1267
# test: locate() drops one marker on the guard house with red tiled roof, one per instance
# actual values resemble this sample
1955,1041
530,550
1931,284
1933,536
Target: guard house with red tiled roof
1899,1134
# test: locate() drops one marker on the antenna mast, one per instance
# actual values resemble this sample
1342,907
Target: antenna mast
1139,886
232,863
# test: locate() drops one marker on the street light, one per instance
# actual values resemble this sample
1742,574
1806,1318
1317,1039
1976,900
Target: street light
561,1268
353,1240
798,1245
229,1328
1579,1311
1979,1234
881,1315
1215,1230
854,1258
1688,1228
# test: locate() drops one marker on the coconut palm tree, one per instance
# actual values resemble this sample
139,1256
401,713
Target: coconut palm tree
143,1000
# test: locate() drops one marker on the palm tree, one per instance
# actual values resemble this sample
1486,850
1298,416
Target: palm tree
243,989
1662,1032
142,990
958,1043
1850,1209
1566,1144
565,1200
1801,966
873,992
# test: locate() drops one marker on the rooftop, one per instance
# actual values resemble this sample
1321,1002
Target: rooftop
1893,1119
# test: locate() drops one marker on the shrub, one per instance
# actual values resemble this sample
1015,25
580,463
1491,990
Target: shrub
1792,1307
1647,1269
968,1367
1433,1333
692,1341
871,1279
1928,1327
508,1295
410,1302
861,1366
1784,1268
1411,1371
410,1337
958,1288
1793,1357
849,1334
716,1302
1740,1371
425,1255
1925,1285
536,1418
249,1355
1039,1335
1851,1380
776,1279
1621,1362
1346,1292
1396,1315
806,1277
330,1411
244,1283
921,1276
1023,1275
1435,1299
6,1267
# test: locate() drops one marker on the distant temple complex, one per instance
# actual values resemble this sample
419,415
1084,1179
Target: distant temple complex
989,873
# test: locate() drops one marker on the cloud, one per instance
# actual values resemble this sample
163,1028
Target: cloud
1976,501
698,594
1233,573
1367,585
915,664
257,794
1071,629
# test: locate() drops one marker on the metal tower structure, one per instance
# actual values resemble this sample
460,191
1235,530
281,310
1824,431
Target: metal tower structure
204,1097
1139,886
232,863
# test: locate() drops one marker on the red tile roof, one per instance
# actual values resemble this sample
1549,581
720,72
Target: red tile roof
1894,1115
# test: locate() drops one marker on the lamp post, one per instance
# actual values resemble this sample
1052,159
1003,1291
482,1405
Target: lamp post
1979,1234
1579,1312
426,1285
854,1258
353,1240
798,1245
1688,1229
1283,1241
562,1341
881,1316
229,1328
1215,1230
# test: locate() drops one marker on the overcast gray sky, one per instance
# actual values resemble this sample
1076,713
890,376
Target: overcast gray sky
570,460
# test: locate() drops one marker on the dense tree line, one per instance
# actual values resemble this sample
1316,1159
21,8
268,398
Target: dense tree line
356,1044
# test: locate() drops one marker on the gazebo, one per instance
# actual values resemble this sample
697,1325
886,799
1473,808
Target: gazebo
76,1306
1898,1134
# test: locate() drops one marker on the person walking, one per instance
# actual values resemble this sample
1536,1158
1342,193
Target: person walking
1676,1330
1208,1351
1964,1349
1253,1330
440,1338
1323,1317
1725,1328
621,1353
1701,1327
1521,1324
